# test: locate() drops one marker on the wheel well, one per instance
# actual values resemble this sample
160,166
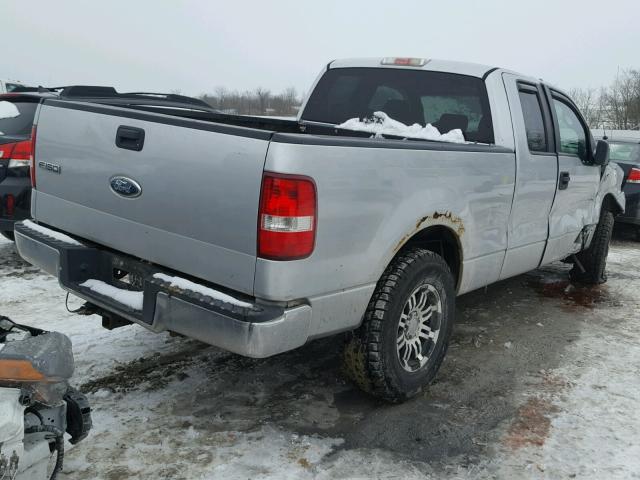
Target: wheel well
444,242
609,203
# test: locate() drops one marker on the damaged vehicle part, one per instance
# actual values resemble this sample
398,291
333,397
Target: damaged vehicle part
37,405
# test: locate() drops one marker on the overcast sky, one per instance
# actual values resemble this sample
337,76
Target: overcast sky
194,46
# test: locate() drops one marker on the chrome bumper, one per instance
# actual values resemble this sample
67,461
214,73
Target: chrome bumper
257,331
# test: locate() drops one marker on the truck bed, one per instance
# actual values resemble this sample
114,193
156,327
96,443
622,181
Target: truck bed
200,182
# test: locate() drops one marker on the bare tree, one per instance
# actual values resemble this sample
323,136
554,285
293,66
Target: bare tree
588,101
257,102
622,101
263,98
221,97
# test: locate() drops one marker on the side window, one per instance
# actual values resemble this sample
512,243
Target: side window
573,137
533,120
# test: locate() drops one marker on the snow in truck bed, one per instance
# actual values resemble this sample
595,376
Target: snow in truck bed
383,124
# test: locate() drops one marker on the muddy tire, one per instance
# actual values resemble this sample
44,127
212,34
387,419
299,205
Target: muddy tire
8,235
405,333
594,258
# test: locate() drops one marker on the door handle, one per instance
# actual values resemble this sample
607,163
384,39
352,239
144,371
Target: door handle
563,183
130,138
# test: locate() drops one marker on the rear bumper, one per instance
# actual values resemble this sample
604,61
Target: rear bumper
631,214
257,330
20,189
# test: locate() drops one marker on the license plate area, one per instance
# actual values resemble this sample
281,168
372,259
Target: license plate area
127,274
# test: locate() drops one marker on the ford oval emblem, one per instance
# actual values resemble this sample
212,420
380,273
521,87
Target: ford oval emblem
125,187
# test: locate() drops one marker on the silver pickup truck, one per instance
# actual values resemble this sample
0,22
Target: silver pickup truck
259,235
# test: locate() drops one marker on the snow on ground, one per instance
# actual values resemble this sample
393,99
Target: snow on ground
383,124
561,401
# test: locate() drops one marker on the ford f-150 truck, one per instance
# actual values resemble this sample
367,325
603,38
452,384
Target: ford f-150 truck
259,235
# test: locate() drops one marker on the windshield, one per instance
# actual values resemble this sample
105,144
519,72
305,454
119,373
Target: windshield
445,100
624,152
16,119
12,86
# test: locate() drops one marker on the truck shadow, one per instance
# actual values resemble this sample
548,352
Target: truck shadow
507,340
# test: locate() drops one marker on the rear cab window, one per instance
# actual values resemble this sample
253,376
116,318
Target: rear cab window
447,101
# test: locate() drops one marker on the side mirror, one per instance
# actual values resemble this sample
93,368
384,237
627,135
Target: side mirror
601,156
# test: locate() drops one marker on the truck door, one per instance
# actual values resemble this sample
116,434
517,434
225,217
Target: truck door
536,175
578,180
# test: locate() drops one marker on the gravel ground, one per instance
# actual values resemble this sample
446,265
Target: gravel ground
541,381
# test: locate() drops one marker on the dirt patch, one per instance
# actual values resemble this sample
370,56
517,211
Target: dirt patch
12,265
531,425
150,373
574,297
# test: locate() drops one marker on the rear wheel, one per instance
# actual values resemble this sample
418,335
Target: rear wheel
8,235
594,258
403,339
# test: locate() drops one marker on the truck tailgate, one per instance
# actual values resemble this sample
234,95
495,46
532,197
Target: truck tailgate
199,184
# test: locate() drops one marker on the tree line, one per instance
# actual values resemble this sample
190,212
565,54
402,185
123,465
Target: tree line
260,101
616,106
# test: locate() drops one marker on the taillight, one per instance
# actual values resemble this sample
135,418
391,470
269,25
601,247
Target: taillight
19,154
634,176
287,217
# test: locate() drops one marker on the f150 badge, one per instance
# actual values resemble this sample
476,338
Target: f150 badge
52,167
125,187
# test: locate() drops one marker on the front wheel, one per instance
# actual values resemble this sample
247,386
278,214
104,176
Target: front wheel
405,333
594,258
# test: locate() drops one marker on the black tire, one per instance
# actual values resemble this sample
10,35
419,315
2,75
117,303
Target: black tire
371,355
594,258
8,235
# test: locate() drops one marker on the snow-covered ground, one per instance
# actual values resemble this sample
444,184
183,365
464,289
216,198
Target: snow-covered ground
541,382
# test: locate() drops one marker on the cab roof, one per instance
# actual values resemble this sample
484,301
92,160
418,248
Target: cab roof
429,64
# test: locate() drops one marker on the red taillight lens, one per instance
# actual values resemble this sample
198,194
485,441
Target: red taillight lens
634,176
19,154
6,150
22,151
287,217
